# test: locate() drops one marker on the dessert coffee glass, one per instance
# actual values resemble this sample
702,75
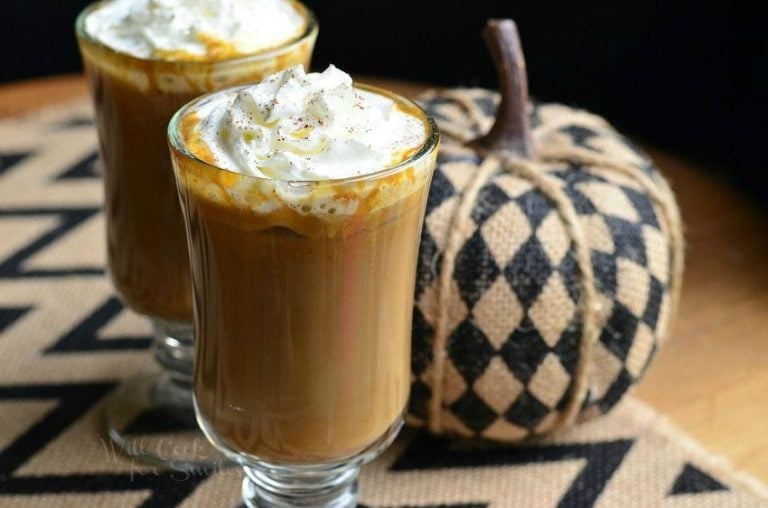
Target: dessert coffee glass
303,298
134,99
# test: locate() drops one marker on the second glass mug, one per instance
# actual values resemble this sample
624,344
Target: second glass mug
134,98
303,315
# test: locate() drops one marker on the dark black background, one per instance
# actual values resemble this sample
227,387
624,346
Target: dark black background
687,76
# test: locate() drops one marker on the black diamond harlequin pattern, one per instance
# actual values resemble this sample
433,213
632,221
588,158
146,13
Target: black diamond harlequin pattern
580,135
621,321
581,203
429,255
528,271
474,411
567,347
419,397
536,207
628,239
655,296
489,200
434,109
479,266
569,272
512,286
617,389
527,411
442,188
470,350
524,350
604,267
643,207
422,353
429,262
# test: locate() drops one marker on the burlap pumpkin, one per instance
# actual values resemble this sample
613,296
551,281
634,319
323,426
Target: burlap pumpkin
544,286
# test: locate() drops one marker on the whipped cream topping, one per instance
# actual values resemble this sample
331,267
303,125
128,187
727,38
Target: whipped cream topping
194,29
295,126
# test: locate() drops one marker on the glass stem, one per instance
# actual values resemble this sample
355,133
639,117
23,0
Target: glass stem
174,349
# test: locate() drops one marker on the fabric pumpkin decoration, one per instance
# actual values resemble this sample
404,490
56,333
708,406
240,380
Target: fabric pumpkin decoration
550,263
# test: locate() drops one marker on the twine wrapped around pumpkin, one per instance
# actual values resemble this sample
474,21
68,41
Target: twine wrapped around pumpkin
544,285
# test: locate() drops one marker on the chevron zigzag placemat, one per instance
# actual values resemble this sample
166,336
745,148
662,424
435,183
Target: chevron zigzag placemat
66,343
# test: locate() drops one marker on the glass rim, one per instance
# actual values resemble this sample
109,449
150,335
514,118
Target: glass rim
429,145
309,32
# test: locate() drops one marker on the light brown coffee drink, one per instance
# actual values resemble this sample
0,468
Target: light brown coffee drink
134,98
303,299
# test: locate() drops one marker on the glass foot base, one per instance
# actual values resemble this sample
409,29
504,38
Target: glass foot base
333,486
151,418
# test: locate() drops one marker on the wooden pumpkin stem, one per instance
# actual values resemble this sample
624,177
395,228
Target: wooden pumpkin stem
511,132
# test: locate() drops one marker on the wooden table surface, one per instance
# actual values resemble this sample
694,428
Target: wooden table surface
711,378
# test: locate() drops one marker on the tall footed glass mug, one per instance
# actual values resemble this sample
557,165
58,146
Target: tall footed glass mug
303,294
136,87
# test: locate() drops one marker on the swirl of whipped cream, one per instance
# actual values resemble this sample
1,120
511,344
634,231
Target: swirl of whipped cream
194,29
298,126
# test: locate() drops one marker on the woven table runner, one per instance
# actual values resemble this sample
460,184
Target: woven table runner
66,343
